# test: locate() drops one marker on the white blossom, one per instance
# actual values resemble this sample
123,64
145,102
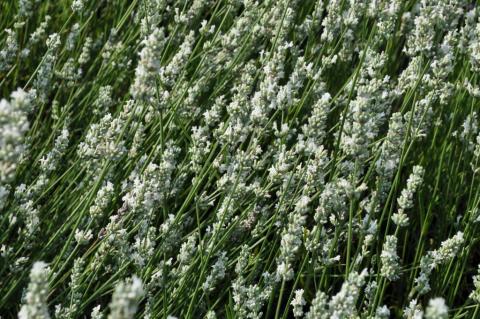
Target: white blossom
216,274
437,309
144,87
35,306
292,240
475,294
318,308
445,253
125,299
8,52
342,305
298,302
390,260
77,6
44,77
14,126
405,201
83,236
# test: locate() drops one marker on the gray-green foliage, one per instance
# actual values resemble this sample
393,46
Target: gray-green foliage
239,159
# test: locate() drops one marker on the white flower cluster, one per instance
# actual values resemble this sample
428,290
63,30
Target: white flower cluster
216,274
9,51
292,240
102,200
176,139
25,8
413,310
144,88
169,74
389,158
366,113
102,143
104,101
40,32
447,251
389,258
96,314
249,299
475,294
50,161
125,299
76,292
298,302
36,306
45,74
85,56
405,201
14,125
77,6
150,189
341,305
437,309
314,130
318,307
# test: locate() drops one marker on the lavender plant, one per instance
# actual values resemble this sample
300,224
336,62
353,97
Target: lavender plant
239,159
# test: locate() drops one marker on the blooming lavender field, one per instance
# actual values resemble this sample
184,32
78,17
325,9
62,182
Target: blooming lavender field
239,159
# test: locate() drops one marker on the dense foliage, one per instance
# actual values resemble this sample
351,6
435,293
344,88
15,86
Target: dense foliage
239,159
